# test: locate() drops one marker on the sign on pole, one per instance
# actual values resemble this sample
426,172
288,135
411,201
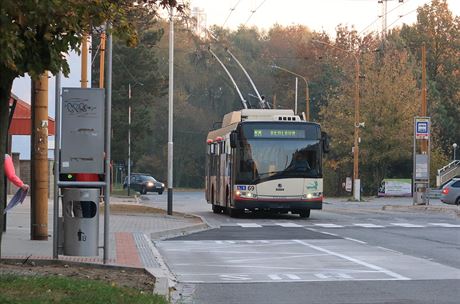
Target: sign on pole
422,128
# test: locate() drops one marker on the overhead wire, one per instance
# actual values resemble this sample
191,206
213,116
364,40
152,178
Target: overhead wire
378,18
231,11
254,11
400,17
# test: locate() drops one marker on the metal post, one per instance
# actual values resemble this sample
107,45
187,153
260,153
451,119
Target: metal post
307,100
57,147
108,126
357,181
129,139
296,87
454,145
170,117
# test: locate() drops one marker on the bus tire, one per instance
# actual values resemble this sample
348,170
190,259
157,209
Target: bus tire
216,208
234,212
304,213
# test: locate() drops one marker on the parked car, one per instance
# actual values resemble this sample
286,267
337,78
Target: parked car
450,193
144,183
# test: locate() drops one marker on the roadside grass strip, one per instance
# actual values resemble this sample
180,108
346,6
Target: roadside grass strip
44,289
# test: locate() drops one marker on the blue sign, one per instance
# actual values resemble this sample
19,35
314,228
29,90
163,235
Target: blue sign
422,128
241,187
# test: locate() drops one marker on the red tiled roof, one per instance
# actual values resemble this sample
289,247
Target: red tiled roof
22,122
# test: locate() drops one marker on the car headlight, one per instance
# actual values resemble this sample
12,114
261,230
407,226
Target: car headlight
149,184
162,185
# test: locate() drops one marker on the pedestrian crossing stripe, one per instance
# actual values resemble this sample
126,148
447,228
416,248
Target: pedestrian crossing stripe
334,226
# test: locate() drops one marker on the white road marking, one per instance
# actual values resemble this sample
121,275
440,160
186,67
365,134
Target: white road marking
407,225
365,225
355,240
328,233
275,277
368,265
328,225
293,276
234,277
249,225
446,225
333,275
289,225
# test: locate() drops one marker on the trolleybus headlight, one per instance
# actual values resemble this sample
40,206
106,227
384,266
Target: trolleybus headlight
237,193
313,195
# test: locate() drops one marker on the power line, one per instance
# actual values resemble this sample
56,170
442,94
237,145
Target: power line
402,16
378,18
254,11
231,11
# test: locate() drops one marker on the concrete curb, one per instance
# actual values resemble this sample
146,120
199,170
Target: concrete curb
431,209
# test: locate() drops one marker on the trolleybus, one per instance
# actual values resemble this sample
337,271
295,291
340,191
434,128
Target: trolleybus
264,159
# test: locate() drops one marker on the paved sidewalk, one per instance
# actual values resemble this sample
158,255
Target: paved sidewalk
402,204
132,226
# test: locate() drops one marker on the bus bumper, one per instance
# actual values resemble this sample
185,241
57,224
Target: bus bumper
277,204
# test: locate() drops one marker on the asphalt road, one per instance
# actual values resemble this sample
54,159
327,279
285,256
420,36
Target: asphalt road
346,253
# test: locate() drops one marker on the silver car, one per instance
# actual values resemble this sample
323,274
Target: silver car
450,193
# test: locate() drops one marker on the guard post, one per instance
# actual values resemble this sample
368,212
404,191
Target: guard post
421,161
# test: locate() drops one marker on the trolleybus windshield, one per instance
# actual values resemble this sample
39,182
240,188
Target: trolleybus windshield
278,150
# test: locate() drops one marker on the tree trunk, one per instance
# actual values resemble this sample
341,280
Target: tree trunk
5,91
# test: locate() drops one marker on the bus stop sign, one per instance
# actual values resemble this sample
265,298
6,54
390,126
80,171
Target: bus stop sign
422,128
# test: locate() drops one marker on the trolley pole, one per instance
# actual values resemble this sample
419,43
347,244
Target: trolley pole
170,119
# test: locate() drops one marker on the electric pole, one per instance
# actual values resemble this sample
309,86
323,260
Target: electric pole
39,158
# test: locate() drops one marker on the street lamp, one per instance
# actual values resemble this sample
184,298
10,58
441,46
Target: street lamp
307,94
357,124
129,137
454,145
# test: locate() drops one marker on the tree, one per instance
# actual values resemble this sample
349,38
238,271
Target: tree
439,30
36,35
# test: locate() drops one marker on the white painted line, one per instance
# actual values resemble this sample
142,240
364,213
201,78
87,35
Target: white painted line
369,225
249,225
274,277
293,277
345,257
355,240
230,242
333,275
446,225
328,233
289,225
328,225
407,225
265,242
391,250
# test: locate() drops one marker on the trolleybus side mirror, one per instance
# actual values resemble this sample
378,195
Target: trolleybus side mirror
326,142
233,139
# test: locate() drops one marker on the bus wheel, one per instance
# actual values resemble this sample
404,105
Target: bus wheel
304,213
216,209
233,212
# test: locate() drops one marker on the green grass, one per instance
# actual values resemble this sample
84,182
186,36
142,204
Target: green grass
36,289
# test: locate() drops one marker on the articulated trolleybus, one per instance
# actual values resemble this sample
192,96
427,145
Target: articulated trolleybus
263,159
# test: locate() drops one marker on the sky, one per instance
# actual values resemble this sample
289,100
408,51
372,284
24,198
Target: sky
317,15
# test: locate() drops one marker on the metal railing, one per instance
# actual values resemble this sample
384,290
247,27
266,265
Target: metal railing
447,172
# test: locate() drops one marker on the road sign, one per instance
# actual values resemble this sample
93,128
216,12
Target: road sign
422,127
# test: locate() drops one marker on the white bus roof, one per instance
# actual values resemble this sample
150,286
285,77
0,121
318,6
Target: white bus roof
232,119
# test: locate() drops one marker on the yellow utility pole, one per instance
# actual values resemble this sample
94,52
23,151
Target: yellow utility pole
357,124
101,61
424,108
39,157
84,61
